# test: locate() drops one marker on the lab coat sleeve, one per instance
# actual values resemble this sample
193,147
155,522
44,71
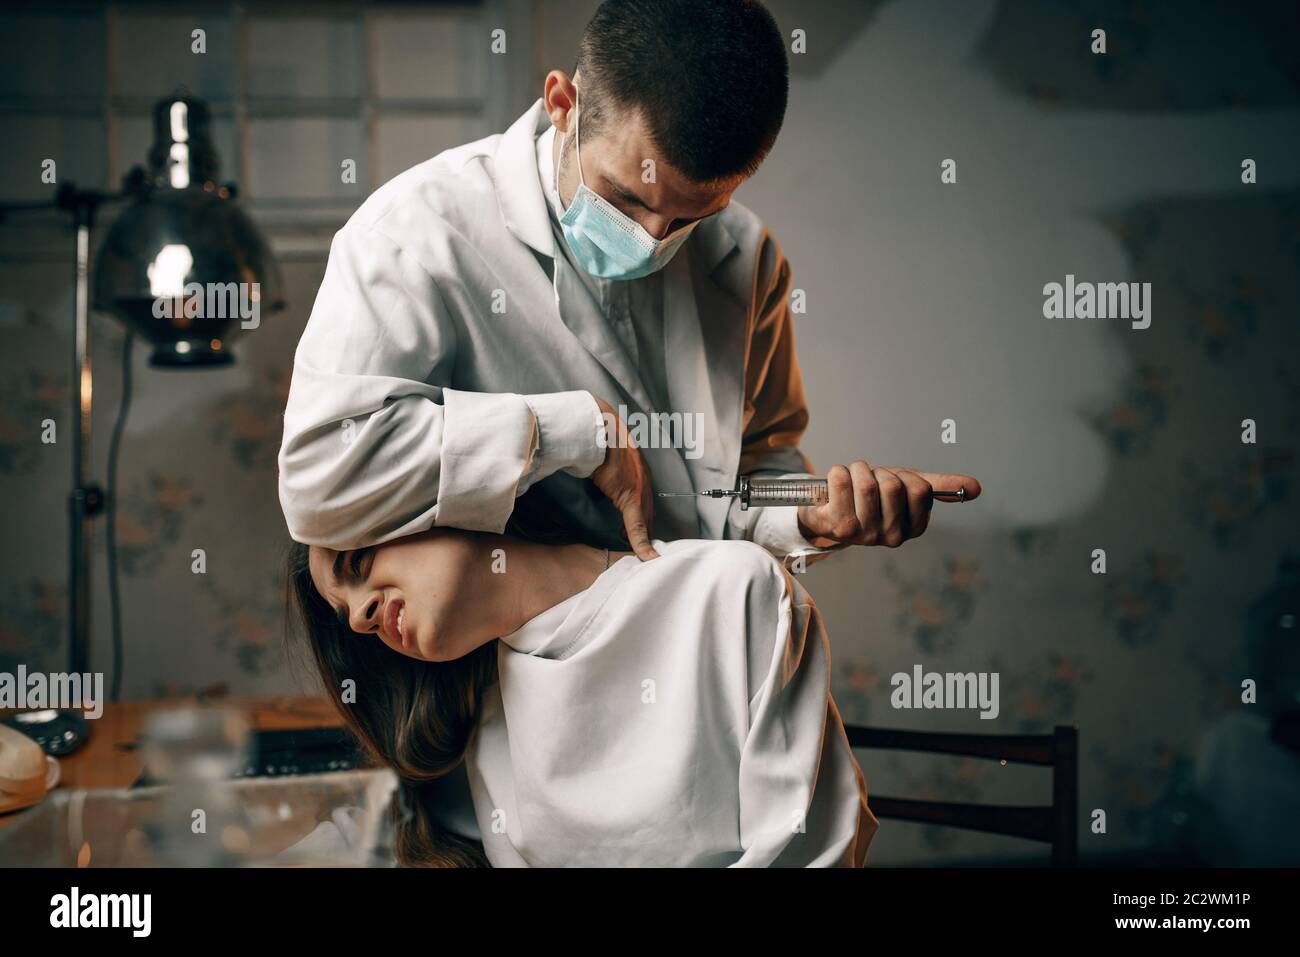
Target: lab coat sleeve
775,413
375,445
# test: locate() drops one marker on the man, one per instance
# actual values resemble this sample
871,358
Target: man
483,314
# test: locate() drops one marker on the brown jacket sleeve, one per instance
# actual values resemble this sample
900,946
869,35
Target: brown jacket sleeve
775,413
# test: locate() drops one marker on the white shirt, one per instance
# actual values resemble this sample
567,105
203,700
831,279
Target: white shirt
676,713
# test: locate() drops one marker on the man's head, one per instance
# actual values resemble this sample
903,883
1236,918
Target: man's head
680,102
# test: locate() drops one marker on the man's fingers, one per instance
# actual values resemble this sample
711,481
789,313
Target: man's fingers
865,525
839,511
648,508
881,506
839,487
895,517
919,501
647,513
638,535
950,483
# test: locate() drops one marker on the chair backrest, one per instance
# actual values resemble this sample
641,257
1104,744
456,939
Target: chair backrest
1055,824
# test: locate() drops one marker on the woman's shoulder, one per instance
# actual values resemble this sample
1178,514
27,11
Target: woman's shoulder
631,594
731,560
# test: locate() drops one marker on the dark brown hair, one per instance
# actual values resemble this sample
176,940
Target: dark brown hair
711,80
414,717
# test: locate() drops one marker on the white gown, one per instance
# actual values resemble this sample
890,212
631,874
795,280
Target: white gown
676,713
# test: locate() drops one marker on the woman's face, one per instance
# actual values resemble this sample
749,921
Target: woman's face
404,592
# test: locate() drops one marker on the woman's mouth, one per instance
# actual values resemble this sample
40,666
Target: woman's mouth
395,621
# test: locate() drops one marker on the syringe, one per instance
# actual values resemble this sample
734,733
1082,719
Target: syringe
770,492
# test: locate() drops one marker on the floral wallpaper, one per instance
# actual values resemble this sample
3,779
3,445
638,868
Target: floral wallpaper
1205,523
197,471
1144,659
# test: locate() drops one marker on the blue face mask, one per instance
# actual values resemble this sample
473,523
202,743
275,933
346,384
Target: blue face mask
604,241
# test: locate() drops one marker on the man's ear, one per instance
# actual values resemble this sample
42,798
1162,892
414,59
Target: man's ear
559,96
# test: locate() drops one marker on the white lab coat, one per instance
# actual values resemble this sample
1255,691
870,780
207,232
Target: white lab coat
446,366
676,713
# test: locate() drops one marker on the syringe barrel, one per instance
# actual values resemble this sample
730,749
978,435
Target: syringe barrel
769,492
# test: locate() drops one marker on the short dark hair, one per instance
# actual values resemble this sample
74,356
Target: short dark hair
710,77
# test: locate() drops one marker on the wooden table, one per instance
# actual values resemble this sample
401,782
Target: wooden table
111,756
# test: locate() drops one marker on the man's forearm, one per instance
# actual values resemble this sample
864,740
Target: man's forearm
413,463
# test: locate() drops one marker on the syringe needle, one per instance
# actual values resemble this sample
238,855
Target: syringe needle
711,493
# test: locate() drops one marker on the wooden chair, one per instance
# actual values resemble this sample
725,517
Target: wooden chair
1055,824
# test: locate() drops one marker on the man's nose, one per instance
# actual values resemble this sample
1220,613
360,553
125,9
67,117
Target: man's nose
661,228
658,226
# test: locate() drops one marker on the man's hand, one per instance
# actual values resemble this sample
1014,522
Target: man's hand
625,479
880,506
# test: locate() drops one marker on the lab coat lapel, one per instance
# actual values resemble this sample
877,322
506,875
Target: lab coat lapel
519,192
584,317
524,211
706,364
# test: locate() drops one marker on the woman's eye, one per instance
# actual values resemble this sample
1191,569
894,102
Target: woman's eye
357,557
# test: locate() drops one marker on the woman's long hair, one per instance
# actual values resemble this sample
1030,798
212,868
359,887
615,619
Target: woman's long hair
415,717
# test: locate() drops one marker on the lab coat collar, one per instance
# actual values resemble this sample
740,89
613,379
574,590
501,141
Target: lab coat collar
534,636
524,209
519,192
705,362
553,632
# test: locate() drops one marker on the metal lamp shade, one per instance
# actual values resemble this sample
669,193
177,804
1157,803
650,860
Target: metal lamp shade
183,265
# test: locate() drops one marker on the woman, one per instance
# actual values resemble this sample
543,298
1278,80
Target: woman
673,712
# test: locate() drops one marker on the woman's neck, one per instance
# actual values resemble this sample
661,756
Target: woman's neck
540,576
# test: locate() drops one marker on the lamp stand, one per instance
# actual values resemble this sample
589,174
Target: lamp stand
87,498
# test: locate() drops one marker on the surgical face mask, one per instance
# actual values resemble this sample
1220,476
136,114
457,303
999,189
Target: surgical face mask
604,241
